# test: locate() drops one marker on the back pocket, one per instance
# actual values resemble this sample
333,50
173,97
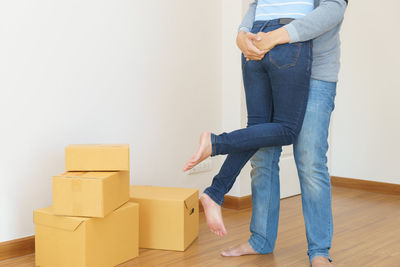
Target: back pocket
285,55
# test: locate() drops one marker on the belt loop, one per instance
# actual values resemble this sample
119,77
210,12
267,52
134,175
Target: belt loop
264,25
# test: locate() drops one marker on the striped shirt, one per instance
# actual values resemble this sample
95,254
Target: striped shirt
275,9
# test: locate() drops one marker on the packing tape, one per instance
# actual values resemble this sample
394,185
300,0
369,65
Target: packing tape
77,208
76,185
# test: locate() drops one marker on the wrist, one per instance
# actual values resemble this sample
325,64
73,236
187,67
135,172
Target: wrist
280,36
242,33
240,37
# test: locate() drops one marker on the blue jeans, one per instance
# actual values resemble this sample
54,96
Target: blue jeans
310,155
276,90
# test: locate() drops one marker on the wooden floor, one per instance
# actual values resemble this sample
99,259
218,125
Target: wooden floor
366,233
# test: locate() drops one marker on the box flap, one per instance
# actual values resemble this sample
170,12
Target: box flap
99,145
161,193
86,175
46,217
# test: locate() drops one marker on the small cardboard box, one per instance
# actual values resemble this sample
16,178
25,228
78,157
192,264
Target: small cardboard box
86,242
169,217
97,158
89,194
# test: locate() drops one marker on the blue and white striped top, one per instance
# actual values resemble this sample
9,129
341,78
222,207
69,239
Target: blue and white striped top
275,9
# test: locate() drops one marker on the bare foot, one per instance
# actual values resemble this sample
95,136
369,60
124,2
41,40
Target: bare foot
203,152
321,261
239,250
213,215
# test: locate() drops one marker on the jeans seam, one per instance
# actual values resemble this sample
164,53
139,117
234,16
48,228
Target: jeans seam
237,173
245,62
303,112
310,56
213,145
299,45
269,205
330,214
256,138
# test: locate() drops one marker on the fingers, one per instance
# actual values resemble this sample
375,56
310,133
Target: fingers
254,57
259,36
255,53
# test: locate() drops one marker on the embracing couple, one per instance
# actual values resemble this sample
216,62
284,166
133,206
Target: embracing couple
290,66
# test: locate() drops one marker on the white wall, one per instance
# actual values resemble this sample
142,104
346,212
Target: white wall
231,77
366,120
145,73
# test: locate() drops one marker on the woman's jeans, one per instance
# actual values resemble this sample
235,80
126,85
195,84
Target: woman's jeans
310,150
276,89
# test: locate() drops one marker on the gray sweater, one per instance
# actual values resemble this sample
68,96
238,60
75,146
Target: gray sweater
323,26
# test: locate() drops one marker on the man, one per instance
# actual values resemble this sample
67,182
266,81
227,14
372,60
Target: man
322,25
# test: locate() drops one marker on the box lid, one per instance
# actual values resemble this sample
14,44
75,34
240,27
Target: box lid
86,175
46,217
99,145
162,193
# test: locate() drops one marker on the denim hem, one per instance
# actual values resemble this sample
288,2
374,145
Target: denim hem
213,197
326,255
255,247
213,148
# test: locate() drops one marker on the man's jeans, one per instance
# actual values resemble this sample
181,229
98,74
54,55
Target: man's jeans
310,156
276,90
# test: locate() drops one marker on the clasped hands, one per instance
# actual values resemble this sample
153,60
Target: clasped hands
255,46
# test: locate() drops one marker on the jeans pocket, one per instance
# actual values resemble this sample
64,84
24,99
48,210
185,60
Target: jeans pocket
285,55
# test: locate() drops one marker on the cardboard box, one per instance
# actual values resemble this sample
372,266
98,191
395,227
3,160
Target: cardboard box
169,217
91,242
97,158
90,194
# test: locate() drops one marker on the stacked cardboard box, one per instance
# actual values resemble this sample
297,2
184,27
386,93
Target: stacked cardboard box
95,219
91,222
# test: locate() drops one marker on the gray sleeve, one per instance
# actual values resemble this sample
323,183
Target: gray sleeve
322,19
248,20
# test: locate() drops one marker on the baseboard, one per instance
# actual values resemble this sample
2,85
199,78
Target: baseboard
17,247
373,186
236,203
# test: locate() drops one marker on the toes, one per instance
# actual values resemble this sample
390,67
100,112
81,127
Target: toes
224,231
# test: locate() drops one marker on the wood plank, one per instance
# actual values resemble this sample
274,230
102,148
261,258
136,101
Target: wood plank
17,247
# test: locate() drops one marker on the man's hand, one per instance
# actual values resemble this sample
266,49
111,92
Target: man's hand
268,40
245,43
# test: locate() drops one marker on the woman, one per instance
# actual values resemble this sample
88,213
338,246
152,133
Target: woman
276,89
